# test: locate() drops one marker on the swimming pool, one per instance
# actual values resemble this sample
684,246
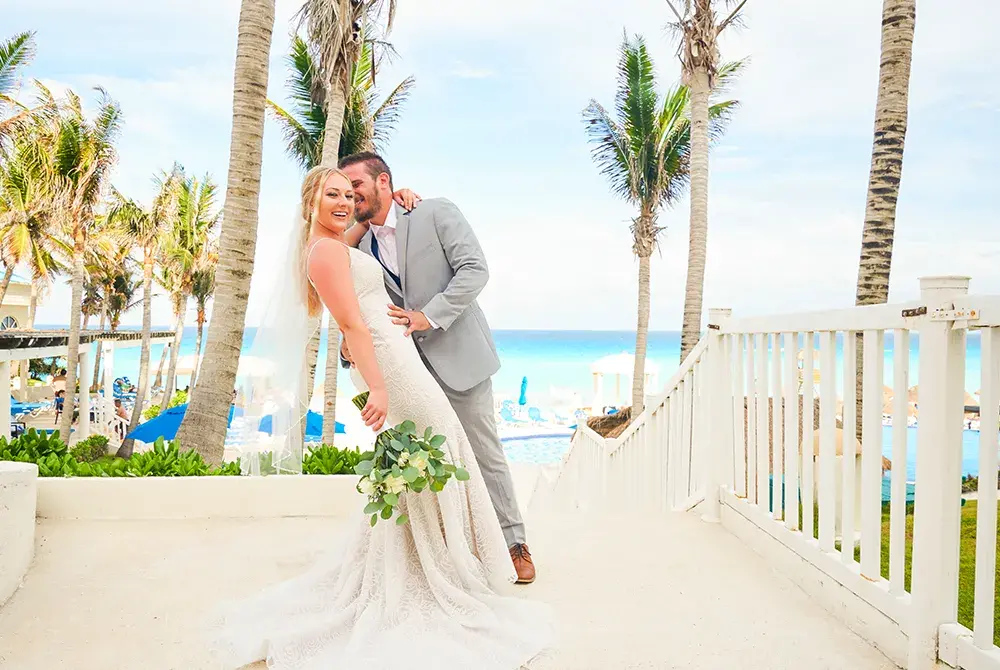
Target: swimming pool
536,449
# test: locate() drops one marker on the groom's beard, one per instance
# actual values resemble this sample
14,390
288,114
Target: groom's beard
372,208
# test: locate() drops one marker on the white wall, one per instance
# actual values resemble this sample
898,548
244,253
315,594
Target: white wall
17,524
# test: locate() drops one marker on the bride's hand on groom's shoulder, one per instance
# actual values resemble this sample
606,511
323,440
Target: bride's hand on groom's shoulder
406,199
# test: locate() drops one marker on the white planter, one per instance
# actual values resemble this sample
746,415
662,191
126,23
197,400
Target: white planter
17,524
198,497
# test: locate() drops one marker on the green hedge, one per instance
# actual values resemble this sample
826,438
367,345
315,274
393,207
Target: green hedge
89,459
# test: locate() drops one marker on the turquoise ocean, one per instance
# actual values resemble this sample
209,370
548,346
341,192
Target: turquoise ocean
558,362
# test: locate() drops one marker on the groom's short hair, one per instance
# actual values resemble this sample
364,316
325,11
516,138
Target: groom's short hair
372,162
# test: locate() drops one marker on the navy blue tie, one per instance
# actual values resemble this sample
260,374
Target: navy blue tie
395,278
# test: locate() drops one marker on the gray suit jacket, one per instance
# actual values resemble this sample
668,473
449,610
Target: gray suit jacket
442,269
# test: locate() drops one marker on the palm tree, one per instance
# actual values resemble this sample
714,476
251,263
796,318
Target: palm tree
202,289
29,231
146,230
197,219
207,415
85,154
645,152
367,123
699,54
101,266
336,28
898,24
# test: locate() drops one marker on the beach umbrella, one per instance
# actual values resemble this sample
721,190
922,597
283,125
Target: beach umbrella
523,398
314,425
166,424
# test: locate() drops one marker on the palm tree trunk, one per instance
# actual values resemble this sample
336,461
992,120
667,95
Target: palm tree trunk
197,348
73,353
6,282
157,383
641,337
698,234
331,147
207,416
25,365
97,357
175,347
125,450
898,22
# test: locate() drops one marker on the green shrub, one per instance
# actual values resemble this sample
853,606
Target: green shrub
91,449
151,412
329,460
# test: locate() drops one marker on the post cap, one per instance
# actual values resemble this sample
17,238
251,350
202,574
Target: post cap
944,285
716,314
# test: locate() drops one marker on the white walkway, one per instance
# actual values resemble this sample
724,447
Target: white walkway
671,592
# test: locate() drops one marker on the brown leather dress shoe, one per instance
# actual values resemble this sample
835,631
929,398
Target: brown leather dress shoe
523,564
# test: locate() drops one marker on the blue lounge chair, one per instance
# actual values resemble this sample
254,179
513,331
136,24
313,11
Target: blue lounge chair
508,416
535,415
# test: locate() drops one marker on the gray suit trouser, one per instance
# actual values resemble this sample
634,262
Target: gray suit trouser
475,410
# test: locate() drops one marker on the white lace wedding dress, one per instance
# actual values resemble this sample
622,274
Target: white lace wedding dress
424,594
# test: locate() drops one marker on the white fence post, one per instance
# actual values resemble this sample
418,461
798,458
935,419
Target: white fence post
938,490
719,431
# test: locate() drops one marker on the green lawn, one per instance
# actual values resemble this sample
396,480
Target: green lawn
967,566
967,558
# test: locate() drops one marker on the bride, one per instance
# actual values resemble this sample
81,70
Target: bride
385,595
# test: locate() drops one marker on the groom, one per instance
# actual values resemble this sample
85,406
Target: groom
434,269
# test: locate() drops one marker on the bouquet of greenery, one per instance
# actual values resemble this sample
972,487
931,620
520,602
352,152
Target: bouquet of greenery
402,460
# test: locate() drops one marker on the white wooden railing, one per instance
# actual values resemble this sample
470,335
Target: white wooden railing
728,430
655,463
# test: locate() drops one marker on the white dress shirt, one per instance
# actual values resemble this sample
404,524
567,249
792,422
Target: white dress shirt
385,237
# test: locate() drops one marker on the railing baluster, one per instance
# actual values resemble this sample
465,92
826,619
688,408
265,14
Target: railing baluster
777,444
763,444
676,417
808,442
897,505
849,456
739,436
688,425
986,512
791,431
750,419
827,438
871,456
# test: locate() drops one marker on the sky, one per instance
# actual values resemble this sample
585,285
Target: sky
494,124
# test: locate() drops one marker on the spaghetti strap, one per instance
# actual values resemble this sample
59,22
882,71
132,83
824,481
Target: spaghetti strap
312,247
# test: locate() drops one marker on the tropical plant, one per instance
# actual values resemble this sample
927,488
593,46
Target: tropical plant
644,151
15,53
29,230
207,417
700,65
367,123
336,29
84,155
202,289
186,244
146,229
891,113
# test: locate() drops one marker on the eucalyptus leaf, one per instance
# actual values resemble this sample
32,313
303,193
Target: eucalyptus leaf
391,499
386,512
410,474
401,519
438,440
461,474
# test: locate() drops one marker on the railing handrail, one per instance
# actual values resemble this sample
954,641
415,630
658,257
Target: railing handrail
658,400
866,317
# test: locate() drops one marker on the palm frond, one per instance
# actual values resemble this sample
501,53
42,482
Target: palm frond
387,115
612,150
15,53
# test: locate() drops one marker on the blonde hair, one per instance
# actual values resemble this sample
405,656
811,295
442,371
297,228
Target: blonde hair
312,187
